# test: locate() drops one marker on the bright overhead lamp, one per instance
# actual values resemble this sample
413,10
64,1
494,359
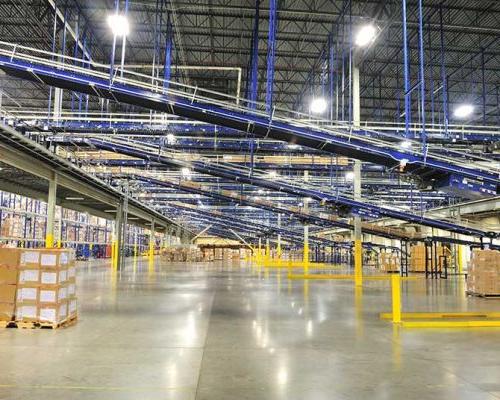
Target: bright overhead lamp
405,145
349,176
463,111
170,138
365,35
119,24
318,105
75,198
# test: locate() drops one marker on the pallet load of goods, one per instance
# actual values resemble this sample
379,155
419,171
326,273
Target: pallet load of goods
418,256
37,288
182,254
483,278
389,262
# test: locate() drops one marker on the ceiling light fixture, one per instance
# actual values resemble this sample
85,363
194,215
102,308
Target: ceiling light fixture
365,35
119,25
318,105
463,111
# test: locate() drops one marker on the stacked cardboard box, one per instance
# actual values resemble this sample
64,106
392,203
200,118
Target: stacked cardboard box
389,262
484,273
182,254
417,258
45,287
8,281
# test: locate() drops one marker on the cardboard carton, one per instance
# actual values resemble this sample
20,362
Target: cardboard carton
53,277
56,294
72,308
27,294
10,257
7,293
26,312
29,258
53,313
55,258
29,276
8,275
6,311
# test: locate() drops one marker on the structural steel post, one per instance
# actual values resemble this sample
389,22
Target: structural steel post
278,248
357,235
267,260
51,212
305,255
118,234
271,50
152,242
406,74
252,84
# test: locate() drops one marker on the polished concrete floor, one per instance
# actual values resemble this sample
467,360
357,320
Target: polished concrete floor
230,331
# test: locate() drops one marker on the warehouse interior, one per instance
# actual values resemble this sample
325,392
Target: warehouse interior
249,199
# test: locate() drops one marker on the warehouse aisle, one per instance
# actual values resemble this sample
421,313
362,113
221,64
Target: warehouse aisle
215,332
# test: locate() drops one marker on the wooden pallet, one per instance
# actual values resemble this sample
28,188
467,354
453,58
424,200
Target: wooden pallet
64,324
41,325
484,295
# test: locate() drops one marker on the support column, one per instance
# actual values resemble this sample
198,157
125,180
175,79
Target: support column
58,97
357,236
152,242
117,237
267,260
51,212
59,234
278,247
259,255
305,255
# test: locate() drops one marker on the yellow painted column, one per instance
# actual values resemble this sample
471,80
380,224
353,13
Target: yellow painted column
114,252
460,258
396,298
358,263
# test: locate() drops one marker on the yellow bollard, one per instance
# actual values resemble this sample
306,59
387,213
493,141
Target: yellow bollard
49,240
396,298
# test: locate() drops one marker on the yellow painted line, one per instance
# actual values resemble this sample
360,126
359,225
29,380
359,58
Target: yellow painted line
96,388
451,324
297,266
350,277
438,315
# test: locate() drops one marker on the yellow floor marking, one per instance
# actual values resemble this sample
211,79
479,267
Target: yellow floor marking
95,388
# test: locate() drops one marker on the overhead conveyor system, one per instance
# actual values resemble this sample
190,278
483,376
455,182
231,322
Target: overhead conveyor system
321,219
266,230
185,101
28,167
246,176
